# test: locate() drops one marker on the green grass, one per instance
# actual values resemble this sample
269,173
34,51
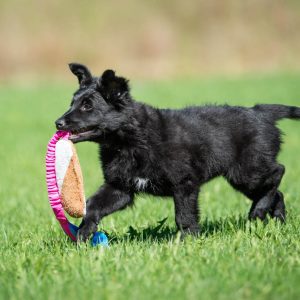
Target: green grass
146,260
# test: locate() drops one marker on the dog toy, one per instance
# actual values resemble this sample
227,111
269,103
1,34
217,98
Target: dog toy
65,185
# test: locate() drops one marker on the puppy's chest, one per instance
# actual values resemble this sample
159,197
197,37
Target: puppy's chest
132,169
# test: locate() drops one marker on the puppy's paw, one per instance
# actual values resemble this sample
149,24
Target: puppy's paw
258,214
85,232
193,231
279,215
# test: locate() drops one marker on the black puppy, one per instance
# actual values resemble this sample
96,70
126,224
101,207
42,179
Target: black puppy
170,152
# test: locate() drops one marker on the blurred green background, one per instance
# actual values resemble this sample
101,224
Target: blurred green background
148,39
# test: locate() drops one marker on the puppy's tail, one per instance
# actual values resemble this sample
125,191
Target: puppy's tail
277,111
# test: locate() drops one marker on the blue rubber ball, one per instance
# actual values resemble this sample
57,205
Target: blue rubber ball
99,238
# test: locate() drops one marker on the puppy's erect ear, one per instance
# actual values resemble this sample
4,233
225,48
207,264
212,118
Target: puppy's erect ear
82,72
113,88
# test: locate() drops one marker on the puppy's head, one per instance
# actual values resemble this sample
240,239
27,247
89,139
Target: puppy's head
97,106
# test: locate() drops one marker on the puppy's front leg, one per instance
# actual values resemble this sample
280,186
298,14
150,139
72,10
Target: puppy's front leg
186,210
104,202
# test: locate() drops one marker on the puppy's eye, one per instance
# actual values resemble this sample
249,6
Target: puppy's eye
86,106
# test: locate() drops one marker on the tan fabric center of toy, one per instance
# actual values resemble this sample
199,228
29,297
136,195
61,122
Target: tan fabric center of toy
71,189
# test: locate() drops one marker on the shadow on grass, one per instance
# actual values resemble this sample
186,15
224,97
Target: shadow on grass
159,232
225,225
163,233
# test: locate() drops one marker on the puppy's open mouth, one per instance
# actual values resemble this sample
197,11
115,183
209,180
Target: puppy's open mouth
82,133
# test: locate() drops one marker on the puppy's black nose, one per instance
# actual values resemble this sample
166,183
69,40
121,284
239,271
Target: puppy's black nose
60,123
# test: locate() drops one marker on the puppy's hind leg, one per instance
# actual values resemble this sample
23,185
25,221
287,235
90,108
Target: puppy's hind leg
261,186
267,199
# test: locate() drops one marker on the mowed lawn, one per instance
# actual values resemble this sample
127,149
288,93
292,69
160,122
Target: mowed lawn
232,259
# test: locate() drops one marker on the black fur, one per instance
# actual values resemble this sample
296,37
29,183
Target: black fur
170,152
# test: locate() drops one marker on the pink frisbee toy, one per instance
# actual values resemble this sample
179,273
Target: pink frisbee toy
65,185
